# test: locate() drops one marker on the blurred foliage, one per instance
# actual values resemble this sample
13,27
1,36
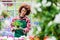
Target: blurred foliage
46,15
5,14
0,25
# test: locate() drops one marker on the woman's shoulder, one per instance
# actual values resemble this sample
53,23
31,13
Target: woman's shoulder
15,18
27,19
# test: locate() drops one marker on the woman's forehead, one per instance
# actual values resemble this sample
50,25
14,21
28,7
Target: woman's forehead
23,8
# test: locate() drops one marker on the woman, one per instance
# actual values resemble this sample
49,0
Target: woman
24,10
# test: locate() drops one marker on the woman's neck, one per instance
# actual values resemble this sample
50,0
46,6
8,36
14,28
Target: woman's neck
21,16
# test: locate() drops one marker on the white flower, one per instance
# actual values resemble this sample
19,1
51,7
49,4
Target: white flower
50,23
57,18
2,7
58,4
38,5
48,4
58,7
33,10
39,9
51,38
39,28
44,1
35,6
7,22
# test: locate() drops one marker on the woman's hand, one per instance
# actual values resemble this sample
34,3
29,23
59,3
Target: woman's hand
24,32
15,28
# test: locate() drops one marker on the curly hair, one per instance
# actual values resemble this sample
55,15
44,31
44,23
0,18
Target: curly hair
27,7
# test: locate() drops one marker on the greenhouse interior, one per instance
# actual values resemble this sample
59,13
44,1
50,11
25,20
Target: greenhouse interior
44,19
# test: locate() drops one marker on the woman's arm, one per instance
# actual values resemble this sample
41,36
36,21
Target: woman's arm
12,26
28,26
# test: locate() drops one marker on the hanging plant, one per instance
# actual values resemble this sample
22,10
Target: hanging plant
5,14
8,4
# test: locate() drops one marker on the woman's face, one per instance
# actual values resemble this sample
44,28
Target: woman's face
23,12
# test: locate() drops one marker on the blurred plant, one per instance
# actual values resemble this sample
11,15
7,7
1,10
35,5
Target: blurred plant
5,14
50,38
49,18
0,25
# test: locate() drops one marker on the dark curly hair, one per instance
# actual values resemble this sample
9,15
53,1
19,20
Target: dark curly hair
27,7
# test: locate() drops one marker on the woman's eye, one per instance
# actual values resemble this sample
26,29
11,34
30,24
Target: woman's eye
24,11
